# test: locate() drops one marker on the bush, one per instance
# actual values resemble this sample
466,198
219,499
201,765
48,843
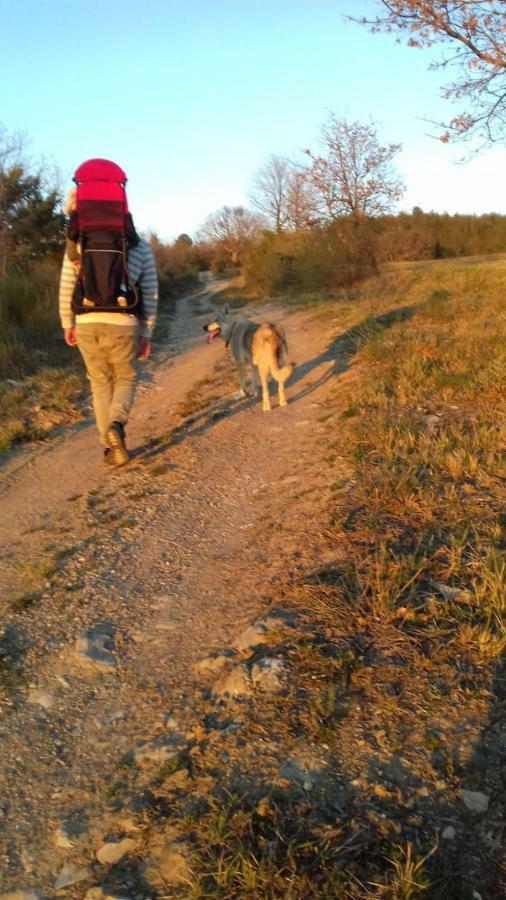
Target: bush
316,258
28,318
28,301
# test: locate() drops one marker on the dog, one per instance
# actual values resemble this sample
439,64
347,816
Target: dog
254,347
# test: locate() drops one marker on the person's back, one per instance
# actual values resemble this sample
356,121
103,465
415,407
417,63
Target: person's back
108,300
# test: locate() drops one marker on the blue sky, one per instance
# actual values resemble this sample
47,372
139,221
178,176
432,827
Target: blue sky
192,97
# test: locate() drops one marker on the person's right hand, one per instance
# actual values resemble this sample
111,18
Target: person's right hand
70,336
144,348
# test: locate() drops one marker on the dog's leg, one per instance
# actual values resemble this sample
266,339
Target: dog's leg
254,381
281,391
242,381
280,372
264,372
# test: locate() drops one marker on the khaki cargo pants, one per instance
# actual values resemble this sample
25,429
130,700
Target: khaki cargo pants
109,354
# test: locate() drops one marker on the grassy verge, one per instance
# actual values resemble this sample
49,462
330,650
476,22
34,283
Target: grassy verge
421,569
33,407
41,381
377,774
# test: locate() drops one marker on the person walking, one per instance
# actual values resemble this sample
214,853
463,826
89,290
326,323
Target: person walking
108,297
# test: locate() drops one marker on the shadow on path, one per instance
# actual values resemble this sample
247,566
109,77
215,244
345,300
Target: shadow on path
343,348
336,357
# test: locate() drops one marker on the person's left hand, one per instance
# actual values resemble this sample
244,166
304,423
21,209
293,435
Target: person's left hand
144,348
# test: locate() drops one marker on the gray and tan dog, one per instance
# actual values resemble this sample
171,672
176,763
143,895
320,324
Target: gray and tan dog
255,348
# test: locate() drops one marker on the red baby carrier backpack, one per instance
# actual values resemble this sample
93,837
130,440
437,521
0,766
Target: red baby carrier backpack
102,228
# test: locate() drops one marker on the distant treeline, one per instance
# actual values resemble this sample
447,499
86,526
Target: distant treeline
420,235
339,253
323,255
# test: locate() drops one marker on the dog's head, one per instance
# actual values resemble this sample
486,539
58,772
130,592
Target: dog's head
221,325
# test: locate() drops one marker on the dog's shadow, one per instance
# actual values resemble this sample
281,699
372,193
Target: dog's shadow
335,358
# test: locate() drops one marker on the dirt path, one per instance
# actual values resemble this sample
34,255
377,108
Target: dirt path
117,582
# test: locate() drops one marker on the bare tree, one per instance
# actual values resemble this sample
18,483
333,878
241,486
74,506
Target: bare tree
476,32
354,175
301,204
283,192
232,228
270,188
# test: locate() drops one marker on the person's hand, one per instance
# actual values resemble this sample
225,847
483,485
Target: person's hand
70,336
144,348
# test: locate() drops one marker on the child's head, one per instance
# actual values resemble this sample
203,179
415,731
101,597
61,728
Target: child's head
70,202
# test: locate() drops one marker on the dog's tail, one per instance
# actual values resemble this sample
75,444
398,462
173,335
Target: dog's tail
279,370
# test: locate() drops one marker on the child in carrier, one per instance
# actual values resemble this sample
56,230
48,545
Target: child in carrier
72,248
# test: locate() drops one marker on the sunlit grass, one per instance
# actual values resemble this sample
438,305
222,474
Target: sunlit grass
417,593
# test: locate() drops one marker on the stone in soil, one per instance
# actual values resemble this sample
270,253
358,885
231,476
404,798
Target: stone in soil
234,683
94,647
474,801
268,675
251,637
71,874
150,754
40,697
167,865
211,664
112,852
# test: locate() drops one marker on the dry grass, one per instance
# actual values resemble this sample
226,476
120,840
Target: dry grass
395,674
30,409
427,444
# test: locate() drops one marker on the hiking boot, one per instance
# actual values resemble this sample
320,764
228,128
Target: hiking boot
118,453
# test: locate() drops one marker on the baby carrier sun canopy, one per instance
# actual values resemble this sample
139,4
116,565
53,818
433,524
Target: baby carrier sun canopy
102,228
101,200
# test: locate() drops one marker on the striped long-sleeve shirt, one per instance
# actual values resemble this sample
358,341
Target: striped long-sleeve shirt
142,271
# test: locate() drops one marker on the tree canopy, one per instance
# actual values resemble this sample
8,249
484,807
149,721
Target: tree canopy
353,175
231,229
476,34
30,221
